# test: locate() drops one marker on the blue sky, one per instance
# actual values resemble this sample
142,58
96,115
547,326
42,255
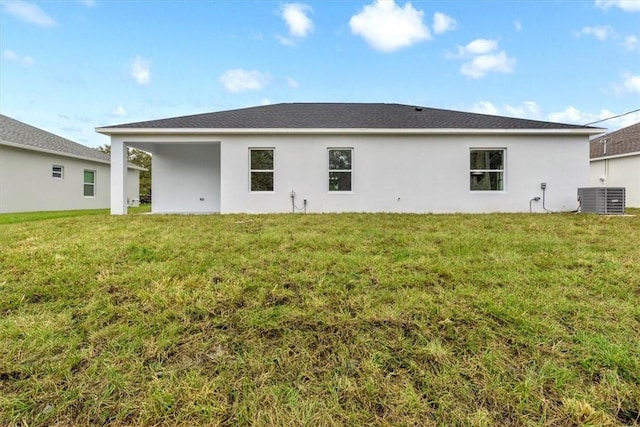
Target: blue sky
70,66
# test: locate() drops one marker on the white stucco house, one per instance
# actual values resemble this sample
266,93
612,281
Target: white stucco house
615,162
40,171
347,157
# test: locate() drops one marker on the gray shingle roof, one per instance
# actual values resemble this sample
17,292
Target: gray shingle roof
622,141
343,116
15,132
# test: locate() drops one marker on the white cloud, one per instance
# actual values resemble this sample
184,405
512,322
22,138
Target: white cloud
443,23
141,70
295,15
631,83
478,47
10,55
387,27
119,111
626,5
531,110
293,83
630,42
239,80
528,109
88,3
29,13
572,115
622,122
28,61
601,32
286,41
480,65
575,116
517,25
484,58
485,107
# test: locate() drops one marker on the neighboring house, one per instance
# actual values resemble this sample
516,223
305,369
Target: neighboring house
40,171
335,157
615,162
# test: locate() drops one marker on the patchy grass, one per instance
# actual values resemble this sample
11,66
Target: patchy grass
13,218
321,320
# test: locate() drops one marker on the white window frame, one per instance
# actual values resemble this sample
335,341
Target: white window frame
483,171
272,170
57,174
92,184
350,171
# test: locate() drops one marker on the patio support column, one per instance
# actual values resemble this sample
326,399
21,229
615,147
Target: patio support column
118,177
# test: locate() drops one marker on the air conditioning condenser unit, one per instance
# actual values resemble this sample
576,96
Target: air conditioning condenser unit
602,200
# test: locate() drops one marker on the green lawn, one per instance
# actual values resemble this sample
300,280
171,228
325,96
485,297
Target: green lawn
320,320
13,218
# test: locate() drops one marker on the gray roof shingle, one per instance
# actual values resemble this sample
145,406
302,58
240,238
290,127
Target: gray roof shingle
16,132
343,116
622,141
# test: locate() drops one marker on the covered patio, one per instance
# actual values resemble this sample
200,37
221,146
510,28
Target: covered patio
185,173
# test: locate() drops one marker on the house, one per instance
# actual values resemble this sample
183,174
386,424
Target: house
40,171
347,157
615,162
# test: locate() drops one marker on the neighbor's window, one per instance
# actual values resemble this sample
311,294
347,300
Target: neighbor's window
340,167
89,183
487,170
57,171
261,168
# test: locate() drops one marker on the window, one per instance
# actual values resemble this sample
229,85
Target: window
261,168
57,171
487,170
340,166
89,183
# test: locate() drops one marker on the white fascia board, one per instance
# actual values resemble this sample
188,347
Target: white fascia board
345,131
617,156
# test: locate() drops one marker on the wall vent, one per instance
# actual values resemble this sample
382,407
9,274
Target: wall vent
602,200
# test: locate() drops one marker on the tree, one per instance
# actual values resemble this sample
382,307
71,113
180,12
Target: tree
139,158
142,158
106,148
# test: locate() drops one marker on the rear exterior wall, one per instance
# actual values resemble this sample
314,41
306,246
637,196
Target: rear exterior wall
405,173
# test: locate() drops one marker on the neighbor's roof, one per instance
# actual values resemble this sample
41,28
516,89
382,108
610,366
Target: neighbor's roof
16,133
621,142
337,116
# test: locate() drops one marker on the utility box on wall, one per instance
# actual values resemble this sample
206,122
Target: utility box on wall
602,200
